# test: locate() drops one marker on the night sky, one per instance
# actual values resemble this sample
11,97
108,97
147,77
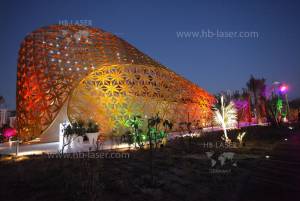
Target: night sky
213,63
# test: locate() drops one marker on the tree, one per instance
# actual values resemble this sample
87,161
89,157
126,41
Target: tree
257,88
236,95
295,110
150,131
67,137
135,123
168,125
152,126
241,106
2,101
225,116
92,126
71,131
246,96
241,103
295,103
154,122
274,106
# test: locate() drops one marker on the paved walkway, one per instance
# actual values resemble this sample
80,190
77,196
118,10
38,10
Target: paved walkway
276,178
54,147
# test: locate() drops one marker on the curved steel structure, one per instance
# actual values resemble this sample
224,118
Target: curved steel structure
80,72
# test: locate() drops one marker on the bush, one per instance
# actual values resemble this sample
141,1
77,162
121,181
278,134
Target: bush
92,127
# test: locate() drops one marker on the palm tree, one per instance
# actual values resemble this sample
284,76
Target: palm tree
274,106
154,122
246,96
168,125
135,123
242,103
236,95
225,116
257,88
151,124
241,106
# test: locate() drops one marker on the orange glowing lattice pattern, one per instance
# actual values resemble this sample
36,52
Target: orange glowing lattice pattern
100,76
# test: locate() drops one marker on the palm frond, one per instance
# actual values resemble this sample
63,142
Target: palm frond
225,116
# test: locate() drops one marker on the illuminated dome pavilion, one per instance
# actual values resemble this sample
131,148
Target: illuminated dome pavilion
71,72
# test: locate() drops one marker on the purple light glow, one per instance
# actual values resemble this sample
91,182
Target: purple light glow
283,88
9,132
241,104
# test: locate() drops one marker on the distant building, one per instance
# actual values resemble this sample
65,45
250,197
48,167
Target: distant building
3,117
7,117
12,122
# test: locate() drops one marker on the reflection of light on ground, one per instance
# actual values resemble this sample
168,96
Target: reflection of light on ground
6,158
15,158
121,146
34,140
21,158
26,153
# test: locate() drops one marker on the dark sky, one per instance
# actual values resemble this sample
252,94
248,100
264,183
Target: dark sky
213,63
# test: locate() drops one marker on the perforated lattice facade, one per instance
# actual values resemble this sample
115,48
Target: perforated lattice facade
99,76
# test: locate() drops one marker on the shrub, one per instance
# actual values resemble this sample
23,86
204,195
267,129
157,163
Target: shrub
92,127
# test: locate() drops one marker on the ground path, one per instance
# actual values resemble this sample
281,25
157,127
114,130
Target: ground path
276,178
